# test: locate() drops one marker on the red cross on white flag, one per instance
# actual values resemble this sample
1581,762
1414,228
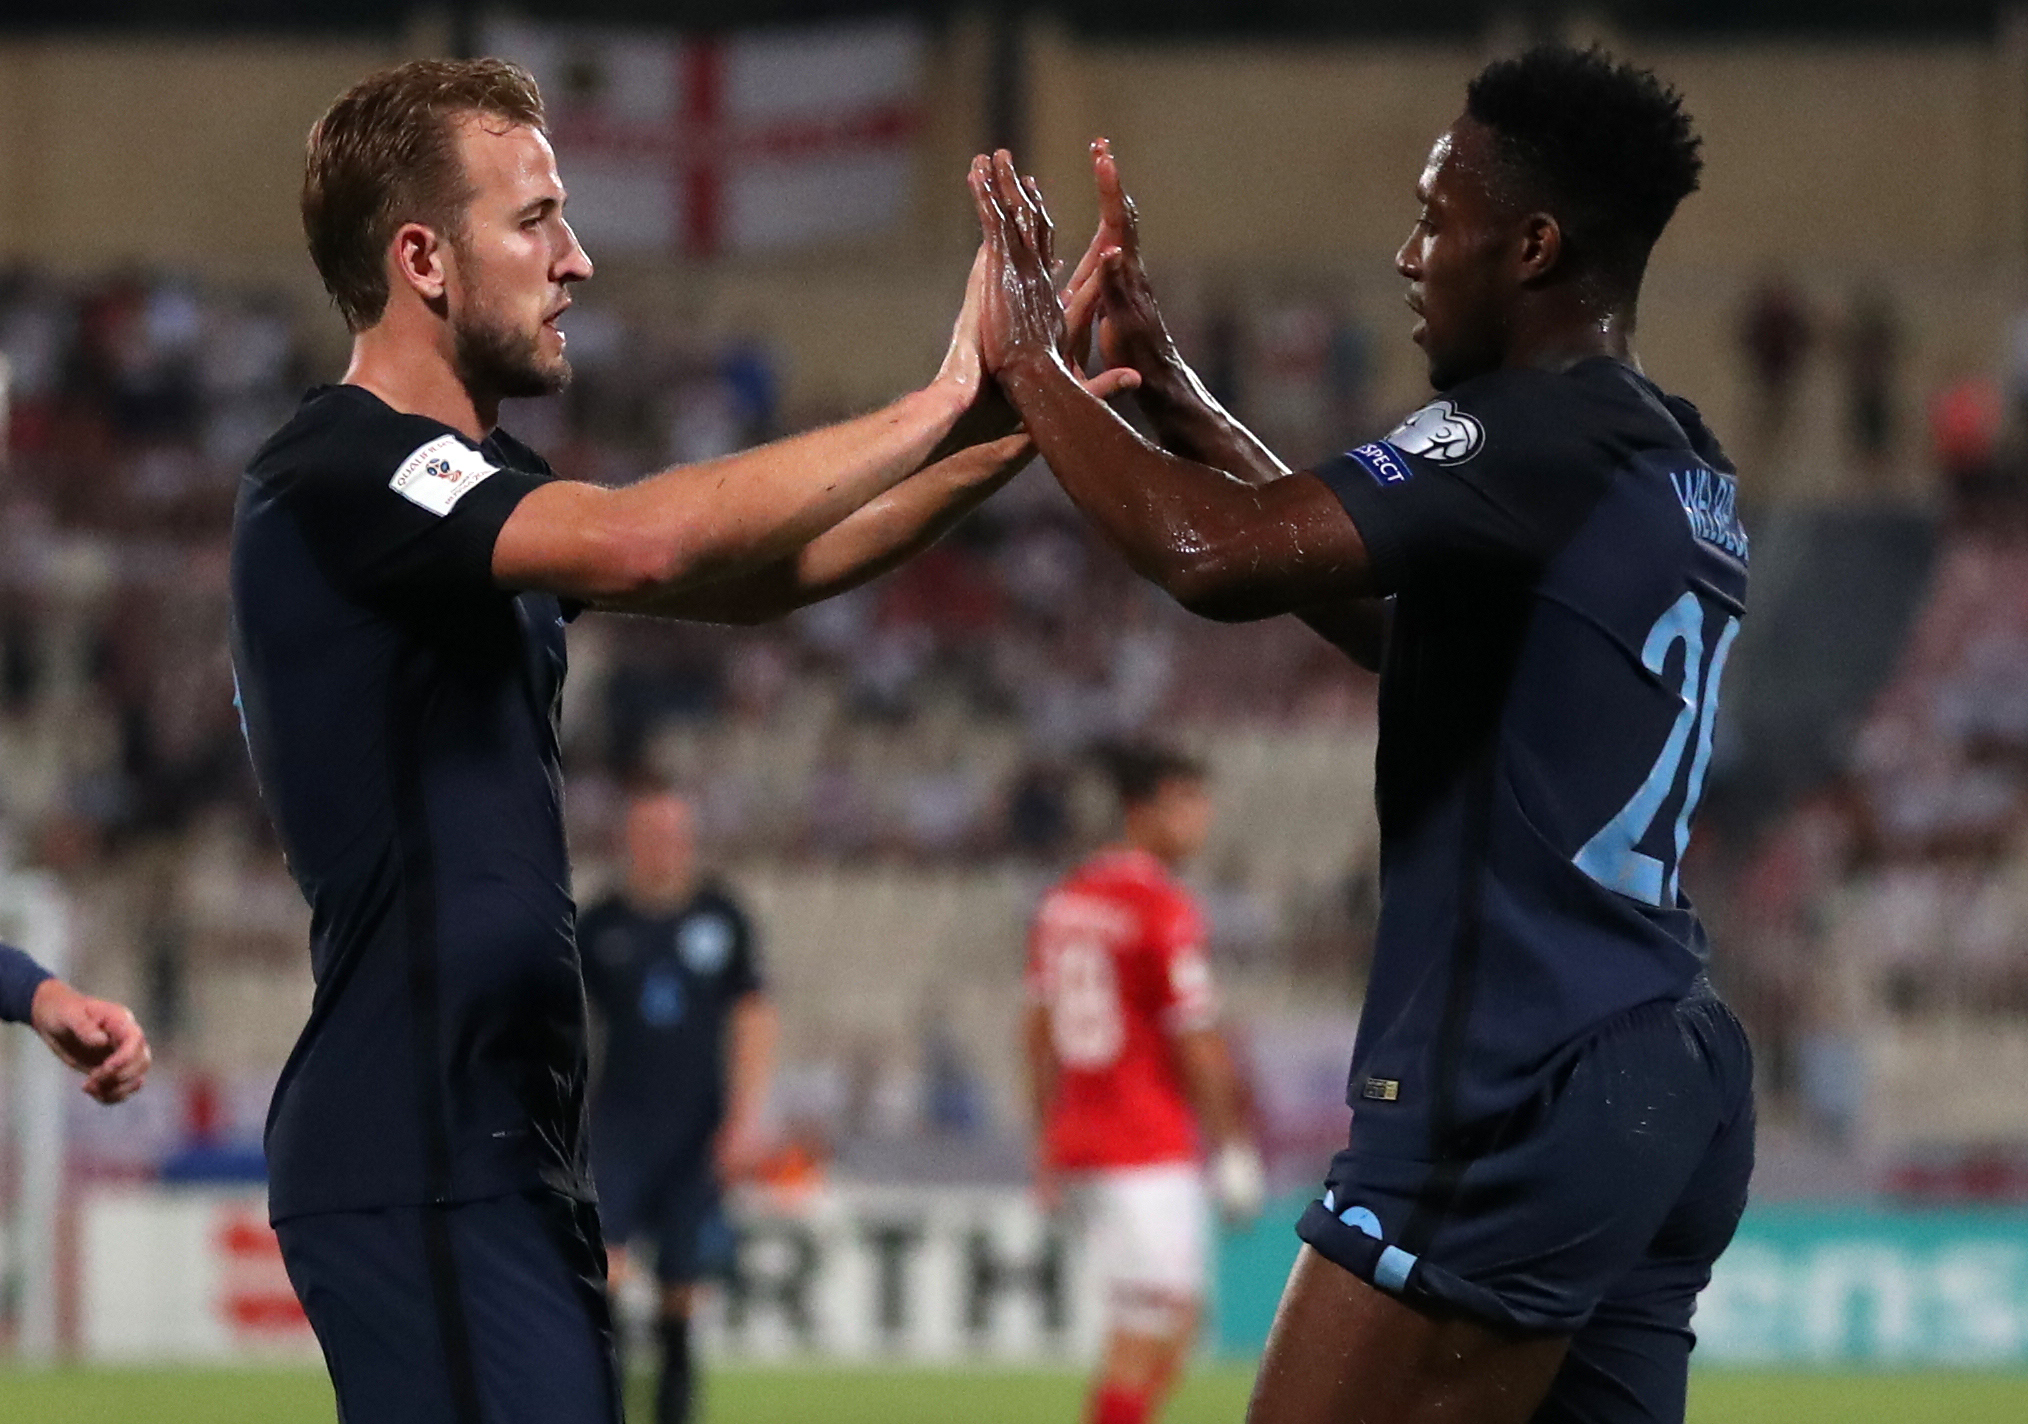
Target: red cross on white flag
737,143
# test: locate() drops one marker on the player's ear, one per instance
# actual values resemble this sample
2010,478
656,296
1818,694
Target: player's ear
1541,246
418,260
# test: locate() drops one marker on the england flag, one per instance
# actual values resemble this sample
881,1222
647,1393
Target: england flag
738,143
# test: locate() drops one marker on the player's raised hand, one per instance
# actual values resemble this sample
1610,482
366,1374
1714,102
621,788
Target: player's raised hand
1110,285
97,1037
1019,313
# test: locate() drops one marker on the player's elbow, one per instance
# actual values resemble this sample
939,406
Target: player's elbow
1211,583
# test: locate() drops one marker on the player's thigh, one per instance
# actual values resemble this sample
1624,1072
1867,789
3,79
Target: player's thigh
1341,1350
1630,1364
531,1272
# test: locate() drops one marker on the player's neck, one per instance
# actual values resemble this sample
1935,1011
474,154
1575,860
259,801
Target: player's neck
413,374
1557,334
662,897
1131,844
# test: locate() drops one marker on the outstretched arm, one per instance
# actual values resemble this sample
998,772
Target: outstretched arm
1111,282
1219,545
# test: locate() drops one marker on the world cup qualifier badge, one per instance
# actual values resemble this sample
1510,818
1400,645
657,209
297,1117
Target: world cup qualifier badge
439,473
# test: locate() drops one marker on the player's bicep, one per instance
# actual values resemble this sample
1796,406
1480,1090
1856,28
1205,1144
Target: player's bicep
576,541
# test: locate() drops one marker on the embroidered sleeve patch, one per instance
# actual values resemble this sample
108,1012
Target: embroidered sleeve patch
1439,432
1386,464
440,473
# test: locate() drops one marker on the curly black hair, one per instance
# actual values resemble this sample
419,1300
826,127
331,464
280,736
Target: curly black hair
1603,145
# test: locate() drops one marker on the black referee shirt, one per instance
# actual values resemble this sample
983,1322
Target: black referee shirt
1569,576
401,712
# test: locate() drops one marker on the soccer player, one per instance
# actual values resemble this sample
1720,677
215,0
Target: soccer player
1130,1078
97,1037
671,965
402,572
1553,1123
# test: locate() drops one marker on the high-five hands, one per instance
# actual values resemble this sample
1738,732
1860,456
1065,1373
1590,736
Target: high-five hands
1020,317
1111,285
1013,216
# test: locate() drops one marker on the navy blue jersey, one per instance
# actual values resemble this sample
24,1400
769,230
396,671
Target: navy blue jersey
1568,575
20,977
665,986
401,712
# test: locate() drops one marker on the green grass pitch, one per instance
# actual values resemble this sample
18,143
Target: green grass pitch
808,1395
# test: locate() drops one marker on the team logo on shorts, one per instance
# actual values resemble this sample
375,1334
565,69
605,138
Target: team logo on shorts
705,942
1439,432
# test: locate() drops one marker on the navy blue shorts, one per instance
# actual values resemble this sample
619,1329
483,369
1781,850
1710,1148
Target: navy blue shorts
485,1312
1599,1218
676,1207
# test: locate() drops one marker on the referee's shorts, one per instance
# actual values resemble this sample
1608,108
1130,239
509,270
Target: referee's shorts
483,1312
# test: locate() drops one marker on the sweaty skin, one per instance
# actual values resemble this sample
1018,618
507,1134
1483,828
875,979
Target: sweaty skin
1221,546
1187,419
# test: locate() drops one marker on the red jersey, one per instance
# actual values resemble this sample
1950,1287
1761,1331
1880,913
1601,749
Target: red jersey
1116,955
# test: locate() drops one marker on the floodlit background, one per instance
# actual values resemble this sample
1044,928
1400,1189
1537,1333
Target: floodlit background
773,193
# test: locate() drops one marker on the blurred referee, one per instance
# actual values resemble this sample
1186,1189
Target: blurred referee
402,572
671,966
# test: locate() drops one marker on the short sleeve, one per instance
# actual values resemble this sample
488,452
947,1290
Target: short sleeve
20,977
746,975
1188,999
1497,475
416,521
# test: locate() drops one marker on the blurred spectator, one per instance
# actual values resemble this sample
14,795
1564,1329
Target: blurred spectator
1870,353
1964,430
1775,332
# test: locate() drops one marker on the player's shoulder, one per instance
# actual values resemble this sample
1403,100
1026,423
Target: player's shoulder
1599,408
343,433
1133,880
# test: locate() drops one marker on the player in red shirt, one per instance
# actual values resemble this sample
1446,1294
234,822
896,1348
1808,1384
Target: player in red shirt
1131,1079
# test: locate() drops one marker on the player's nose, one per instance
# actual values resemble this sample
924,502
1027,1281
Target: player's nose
1406,261
576,265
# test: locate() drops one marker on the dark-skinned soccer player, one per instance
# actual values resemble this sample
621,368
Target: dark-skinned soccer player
1553,1124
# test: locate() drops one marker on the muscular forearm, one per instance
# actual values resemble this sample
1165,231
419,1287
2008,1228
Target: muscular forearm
1213,1088
1219,546
1038,1057
700,524
1190,422
756,1028
869,542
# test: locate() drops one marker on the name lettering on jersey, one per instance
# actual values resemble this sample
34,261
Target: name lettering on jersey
440,473
1439,432
1710,502
1385,463
1065,913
